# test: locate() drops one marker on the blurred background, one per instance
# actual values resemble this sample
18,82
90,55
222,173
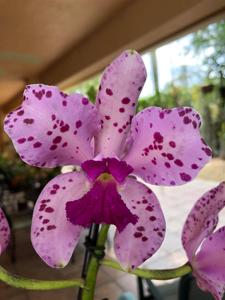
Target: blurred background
68,43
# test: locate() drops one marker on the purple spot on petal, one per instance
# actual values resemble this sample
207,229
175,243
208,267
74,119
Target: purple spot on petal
37,145
45,221
125,100
167,164
49,210
28,121
57,140
185,177
178,162
21,141
78,124
186,120
53,147
172,144
109,92
137,234
161,115
85,101
194,166
48,94
20,113
140,228
51,227
207,151
65,128
158,137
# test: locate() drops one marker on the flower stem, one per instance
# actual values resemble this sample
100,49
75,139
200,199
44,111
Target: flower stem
33,284
90,281
151,274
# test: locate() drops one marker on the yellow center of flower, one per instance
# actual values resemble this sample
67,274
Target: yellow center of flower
105,177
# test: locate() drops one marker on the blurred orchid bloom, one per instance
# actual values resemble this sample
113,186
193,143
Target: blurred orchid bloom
161,146
205,248
4,232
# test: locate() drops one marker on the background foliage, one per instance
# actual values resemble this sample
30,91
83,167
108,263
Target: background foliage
207,96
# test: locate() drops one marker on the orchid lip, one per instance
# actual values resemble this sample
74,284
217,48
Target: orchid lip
102,204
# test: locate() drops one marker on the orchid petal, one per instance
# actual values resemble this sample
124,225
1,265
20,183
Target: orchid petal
167,146
53,236
210,273
140,241
4,232
120,87
52,128
202,219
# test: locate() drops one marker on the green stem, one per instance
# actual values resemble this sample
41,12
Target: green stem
33,284
90,281
151,274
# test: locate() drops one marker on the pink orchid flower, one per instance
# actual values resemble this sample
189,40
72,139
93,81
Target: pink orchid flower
4,232
205,248
160,146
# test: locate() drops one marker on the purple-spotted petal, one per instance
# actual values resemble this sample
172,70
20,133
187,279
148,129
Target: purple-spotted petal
210,273
53,236
51,128
167,146
202,219
102,204
4,232
140,241
120,87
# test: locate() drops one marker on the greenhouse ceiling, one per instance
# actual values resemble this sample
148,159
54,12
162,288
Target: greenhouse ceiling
64,42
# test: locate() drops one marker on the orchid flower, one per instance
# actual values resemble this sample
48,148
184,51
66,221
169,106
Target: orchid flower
114,149
205,248
4,232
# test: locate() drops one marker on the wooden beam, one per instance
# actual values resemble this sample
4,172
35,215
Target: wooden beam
140,25
17,98
12,103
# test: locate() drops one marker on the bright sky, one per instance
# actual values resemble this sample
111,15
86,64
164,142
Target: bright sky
168,56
